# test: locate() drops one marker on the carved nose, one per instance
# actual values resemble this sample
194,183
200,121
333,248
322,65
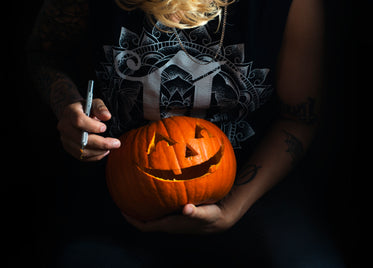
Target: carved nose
189,151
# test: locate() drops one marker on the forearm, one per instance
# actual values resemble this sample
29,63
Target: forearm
284,145
59,27
298,89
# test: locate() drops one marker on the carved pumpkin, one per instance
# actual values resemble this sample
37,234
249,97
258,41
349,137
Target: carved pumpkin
169,163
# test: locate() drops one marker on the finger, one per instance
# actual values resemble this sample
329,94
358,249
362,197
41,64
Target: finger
188,210
206,213
99,110
93,155
86,155
82,122
94,141
101,143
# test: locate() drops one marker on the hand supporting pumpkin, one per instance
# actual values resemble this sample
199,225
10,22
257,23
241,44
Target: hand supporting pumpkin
202,219
73,121
273,160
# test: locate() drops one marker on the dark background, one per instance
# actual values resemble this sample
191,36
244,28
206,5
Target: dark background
30,142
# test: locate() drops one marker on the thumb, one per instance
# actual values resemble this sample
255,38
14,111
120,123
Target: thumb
189,209
100,110
205,212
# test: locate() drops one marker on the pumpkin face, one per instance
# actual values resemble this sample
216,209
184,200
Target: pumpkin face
169,163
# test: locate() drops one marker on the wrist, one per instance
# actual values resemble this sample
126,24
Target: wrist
63,93
238,202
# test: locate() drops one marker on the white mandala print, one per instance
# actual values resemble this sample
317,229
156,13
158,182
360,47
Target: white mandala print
149,76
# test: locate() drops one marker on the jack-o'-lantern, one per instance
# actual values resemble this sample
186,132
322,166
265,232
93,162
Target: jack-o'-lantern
166,164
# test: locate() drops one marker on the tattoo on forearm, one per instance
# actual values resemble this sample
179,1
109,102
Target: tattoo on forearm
249,172
295,147
304,112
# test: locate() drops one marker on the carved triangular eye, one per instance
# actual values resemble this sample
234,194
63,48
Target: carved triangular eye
189,151
157,138
201,132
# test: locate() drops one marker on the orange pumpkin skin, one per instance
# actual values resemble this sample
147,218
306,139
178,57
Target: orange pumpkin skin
169,163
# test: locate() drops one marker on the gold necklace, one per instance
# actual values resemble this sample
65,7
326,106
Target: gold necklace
220,43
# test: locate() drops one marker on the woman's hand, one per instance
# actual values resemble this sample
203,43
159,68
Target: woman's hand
202,219
73,122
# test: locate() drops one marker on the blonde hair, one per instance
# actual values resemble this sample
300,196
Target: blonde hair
181,14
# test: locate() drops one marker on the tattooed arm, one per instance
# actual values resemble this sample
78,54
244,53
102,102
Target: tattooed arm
59,29
298,85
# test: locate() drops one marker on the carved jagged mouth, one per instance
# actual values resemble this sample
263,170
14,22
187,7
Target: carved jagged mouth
189,173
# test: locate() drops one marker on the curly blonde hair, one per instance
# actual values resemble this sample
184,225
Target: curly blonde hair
181,14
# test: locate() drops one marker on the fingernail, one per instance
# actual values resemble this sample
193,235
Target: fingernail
116,143
188,210
103,128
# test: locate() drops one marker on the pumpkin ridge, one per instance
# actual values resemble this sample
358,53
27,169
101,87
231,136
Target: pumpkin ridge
158,193
135,147
172,119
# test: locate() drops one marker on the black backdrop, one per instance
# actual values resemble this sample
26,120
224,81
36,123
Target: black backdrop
30,142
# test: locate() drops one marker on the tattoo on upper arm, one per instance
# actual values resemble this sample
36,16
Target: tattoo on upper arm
304,112
295,147
249,172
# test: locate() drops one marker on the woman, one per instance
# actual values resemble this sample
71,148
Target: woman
251,67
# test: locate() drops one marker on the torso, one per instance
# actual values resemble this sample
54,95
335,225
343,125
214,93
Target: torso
144,74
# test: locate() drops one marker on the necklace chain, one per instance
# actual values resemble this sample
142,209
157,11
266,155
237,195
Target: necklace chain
220,43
